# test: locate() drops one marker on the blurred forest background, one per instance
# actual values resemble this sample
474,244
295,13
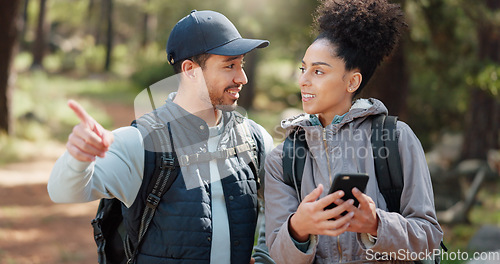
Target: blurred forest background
443,80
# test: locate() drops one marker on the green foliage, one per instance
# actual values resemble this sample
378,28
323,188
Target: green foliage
58,12
487,79
91,59
8,147
486,212
278,80
270,120
70,256
441,52
41,114
441,49
150,73
22,61
40,108
151,66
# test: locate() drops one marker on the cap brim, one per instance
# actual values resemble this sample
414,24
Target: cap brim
239,46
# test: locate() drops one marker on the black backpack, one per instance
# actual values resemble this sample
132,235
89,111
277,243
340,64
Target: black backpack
113,247
109,231
388,167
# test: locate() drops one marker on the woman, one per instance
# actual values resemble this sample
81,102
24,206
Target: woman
354,37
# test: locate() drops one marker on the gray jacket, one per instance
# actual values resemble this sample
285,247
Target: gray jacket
400,236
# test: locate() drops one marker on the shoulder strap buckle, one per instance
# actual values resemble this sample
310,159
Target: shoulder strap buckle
184,160
167,163
157,126
152,201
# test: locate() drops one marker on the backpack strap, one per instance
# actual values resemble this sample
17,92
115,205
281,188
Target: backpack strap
252,135
388,166
385,152
109,232
295,150
163,176
387,160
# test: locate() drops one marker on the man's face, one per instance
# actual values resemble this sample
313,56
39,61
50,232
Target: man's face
224,77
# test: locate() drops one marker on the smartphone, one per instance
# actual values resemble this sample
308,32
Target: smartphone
345,182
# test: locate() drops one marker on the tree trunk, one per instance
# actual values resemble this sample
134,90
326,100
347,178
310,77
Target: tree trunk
109,34
482,127
145,25
145,30
8,31
390,83
90,10
483,119
90,17
99,25
248,91
39,44
24,25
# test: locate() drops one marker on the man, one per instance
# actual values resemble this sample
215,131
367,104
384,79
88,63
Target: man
209,213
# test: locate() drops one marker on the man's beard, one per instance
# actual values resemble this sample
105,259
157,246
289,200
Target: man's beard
218,101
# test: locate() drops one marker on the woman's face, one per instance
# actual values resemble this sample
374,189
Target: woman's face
326,87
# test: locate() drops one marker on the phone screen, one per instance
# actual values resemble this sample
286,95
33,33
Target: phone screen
345,182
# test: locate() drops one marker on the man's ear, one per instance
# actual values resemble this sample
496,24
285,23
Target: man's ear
354,81
188,69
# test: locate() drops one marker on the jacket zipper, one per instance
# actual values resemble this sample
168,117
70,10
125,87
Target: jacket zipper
327,156
330,177
339,248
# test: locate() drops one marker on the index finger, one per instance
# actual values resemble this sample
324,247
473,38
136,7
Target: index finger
363,199
80,112
327,200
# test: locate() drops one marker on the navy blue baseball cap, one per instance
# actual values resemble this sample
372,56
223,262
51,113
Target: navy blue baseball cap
207,32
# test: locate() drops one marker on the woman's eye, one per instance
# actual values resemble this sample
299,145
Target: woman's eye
302,69
230,66
318,72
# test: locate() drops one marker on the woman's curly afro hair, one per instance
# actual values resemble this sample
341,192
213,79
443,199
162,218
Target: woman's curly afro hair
362,32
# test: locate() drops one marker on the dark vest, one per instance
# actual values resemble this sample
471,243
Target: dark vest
181,229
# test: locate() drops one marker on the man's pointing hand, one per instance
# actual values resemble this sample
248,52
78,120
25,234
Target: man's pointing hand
88,139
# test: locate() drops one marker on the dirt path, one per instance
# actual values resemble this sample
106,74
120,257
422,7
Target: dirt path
33,229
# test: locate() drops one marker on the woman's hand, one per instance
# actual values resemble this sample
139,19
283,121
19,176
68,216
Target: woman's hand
311,218
365,218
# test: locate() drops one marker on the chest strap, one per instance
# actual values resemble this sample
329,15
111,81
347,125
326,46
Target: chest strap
186,160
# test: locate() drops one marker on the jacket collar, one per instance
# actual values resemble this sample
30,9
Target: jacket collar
359,109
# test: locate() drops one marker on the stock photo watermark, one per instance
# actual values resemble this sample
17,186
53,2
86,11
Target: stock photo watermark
350,144
405,254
